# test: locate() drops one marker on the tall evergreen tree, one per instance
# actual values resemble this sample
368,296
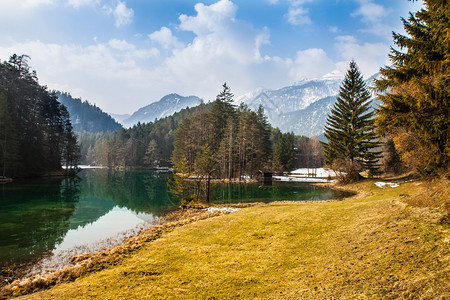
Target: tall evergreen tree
284,154
222,111
350,129
415,90
180,185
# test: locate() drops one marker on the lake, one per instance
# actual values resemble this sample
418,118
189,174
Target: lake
43,216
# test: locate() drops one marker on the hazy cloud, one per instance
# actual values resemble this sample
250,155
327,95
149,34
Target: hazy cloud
370,12
165,37
311,63
368,56
218,47
298,16
334,29
7,5
35,3
122,14
92,72
79,3
375,16
121,45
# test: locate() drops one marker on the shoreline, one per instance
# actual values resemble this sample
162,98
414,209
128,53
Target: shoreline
22,283
83,263
386,242
374,216
27,281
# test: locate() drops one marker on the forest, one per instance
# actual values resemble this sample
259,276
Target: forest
163,142
36,136
409,131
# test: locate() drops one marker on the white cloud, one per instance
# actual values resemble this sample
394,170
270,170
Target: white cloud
35,3
80,3
122,15
298,16
99,72
121,45
376,18
8,5
209,19
368,56
370,12
165,37
224,49
121,76
311,63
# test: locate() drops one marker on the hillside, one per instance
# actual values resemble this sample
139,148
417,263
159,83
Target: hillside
86,117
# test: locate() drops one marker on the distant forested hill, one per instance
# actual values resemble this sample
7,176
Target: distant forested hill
87,117
145,145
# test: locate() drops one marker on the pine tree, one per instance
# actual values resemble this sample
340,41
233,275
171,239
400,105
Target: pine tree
180,185
415,90
222,110
284,154
350,129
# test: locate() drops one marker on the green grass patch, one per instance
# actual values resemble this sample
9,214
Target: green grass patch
373,245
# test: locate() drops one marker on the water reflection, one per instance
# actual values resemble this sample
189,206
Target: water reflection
44,215
108,225
35,216
276,191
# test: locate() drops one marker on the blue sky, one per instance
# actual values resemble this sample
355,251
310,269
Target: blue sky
124,54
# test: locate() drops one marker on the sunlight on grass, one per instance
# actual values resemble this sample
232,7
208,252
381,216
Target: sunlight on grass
370,246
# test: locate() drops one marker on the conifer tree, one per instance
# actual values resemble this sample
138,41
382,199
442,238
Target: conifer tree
222,110
415,90
284,154
350,129
180,185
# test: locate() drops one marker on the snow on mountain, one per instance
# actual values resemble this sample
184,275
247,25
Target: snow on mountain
166,106
302,107
120,117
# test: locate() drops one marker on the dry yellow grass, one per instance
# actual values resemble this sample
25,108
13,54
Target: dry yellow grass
371,246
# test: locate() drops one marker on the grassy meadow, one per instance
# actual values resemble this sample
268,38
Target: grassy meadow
383,243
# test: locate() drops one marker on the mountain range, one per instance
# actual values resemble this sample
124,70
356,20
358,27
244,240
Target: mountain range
301,108
86,117
166,106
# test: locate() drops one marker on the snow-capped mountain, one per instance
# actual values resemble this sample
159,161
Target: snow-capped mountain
166,106
120,117
303,107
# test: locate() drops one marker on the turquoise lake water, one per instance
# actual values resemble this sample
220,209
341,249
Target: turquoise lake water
41,216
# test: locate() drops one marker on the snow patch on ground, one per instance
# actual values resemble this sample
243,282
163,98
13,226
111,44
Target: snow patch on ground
90,167
381,184
222,209
299,179
316,172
